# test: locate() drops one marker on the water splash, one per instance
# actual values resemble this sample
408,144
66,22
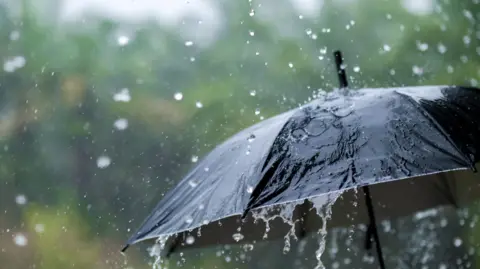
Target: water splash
323,206
286,213
156,252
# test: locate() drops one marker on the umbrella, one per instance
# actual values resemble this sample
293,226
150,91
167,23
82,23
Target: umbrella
429,135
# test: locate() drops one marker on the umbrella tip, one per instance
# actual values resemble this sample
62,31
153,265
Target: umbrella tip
124,248
342,76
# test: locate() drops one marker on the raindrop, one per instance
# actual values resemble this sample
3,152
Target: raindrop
20,240
356,69
122,96
121,124
178,96
188,219
457,242
192,183
466,40
323,50
206,169
387,48
441,48
422,46
290,65
237,237
251,33
201,207
190,240
308,31
251,13
14,63
14,35
123,40
247,247
253,92
257,111
450,69
198,104
249,189
417,70
228,259
103,161
251,138
194,159
39,228
21,199
189,43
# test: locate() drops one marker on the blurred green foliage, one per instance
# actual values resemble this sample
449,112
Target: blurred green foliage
58,112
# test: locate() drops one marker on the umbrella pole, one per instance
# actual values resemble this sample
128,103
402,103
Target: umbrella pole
342,78
373,226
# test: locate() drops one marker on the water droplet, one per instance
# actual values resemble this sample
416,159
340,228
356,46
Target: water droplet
14,35
247,247
103,161
457,242
21,199
417,70
14,63
251,13
178,96
257,111
20,240
290,65
253,92
188,220
308,31
192,183
206,169
387,48
122,96
121,124
422,46
194,159
189,43
39,228
356,69
251,33
190,240
198,104
249,189
466,40
251,138
237,237
201,206
123,40
441,48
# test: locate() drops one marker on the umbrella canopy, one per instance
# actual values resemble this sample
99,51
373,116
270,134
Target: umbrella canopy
340,141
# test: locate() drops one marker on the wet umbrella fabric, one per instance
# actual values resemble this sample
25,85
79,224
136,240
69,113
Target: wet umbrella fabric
337,142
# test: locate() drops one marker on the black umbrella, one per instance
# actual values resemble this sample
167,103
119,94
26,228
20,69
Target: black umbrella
340,141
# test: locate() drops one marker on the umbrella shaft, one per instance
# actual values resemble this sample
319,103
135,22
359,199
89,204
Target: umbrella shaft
373,226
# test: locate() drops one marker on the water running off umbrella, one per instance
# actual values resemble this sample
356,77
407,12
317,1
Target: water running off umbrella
321,204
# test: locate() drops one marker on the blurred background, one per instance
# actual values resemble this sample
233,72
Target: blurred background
105,105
